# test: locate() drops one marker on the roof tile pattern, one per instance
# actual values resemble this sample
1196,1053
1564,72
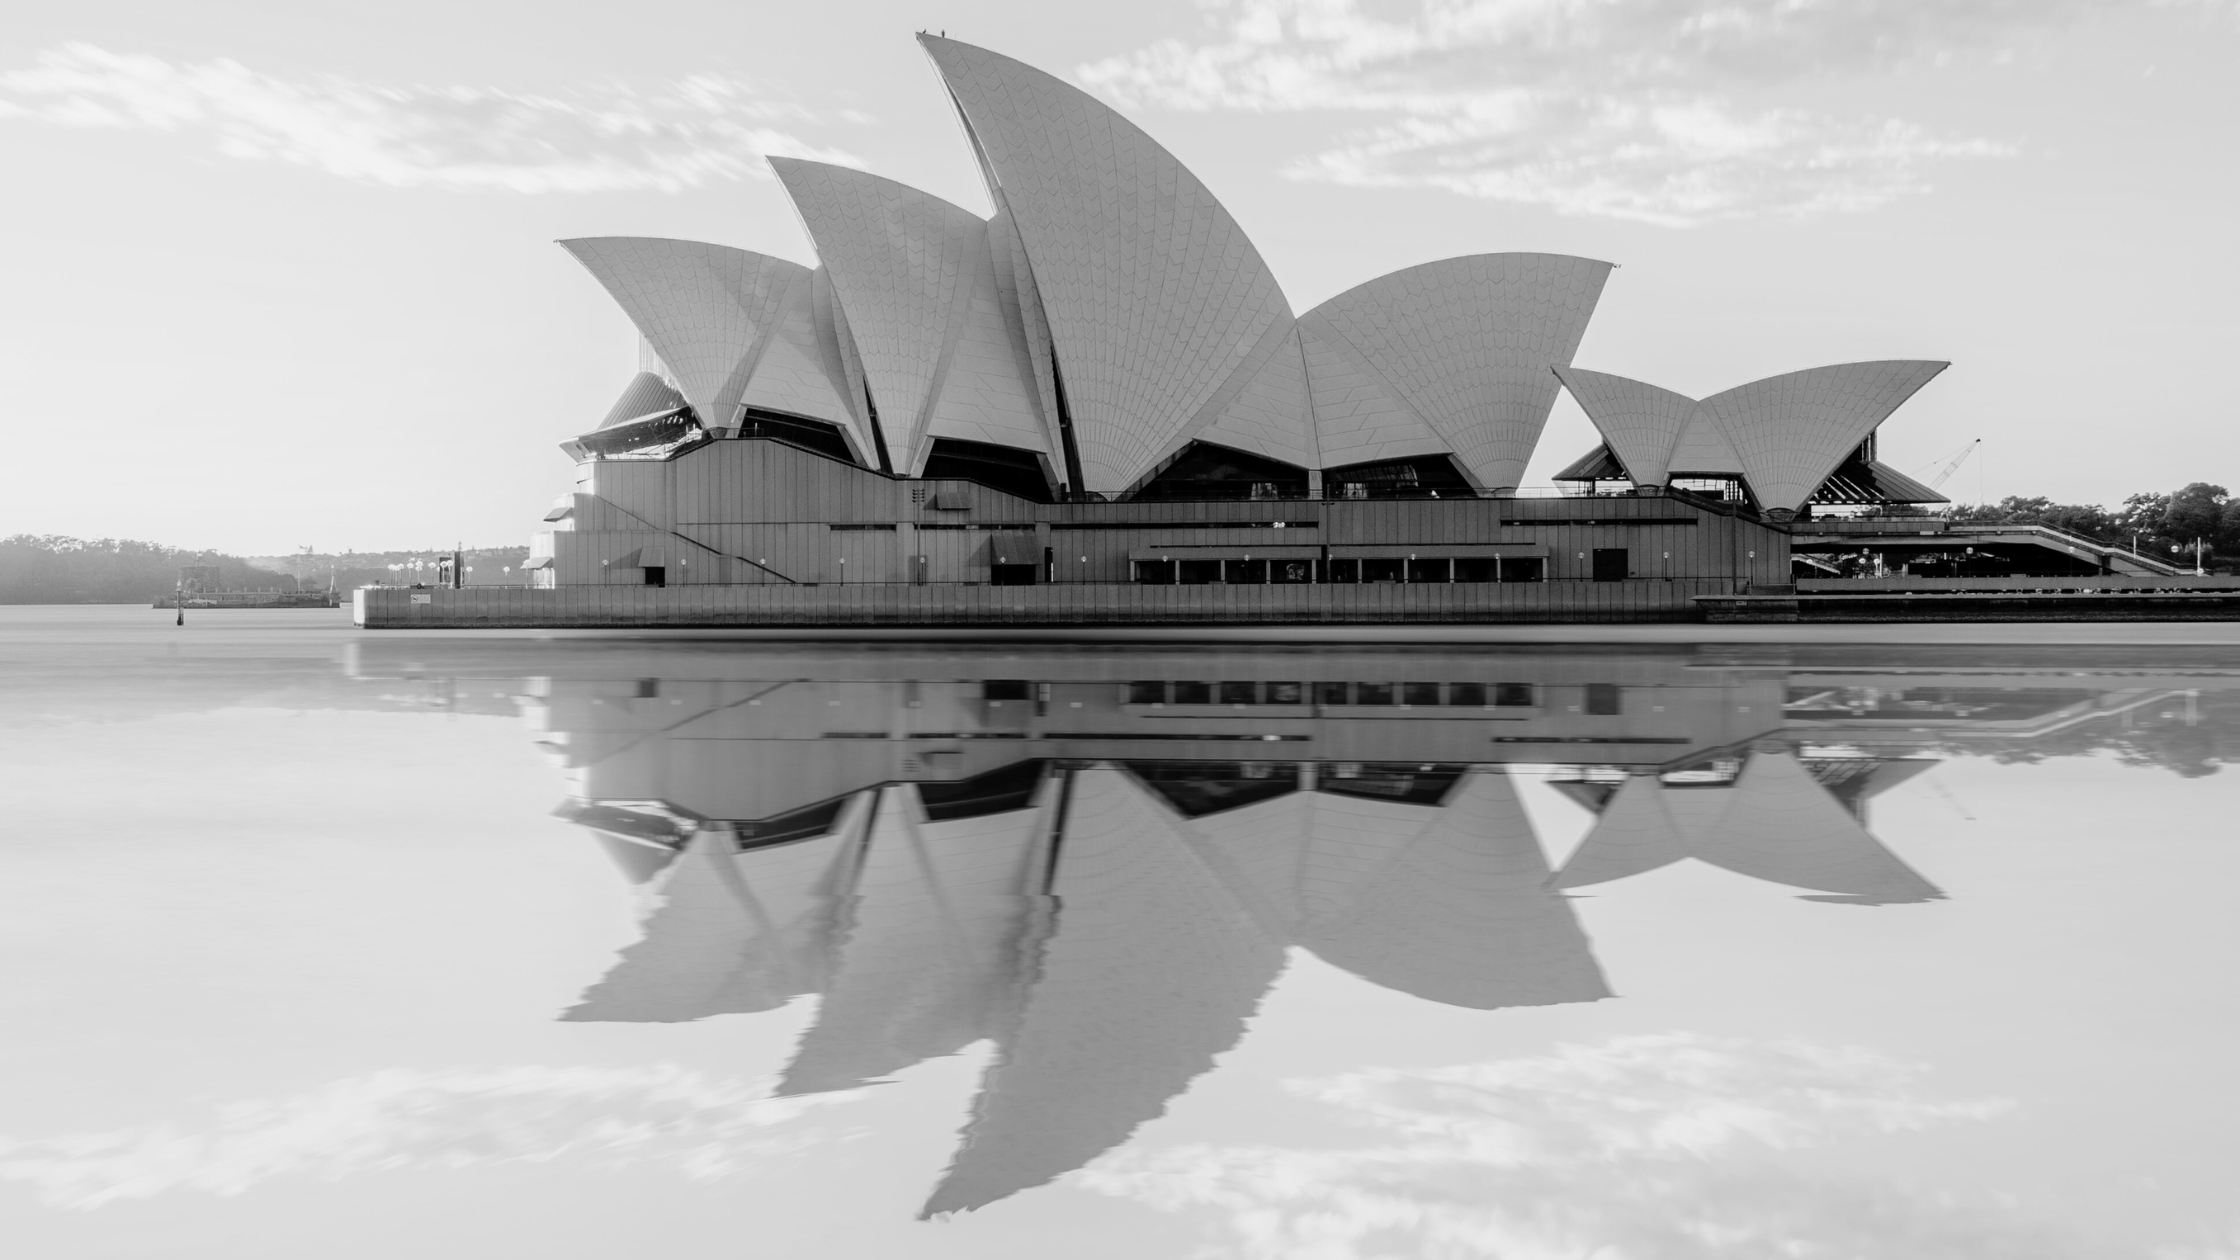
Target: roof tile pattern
1154,294
712,314
1022,308
1467,343
1358,416
915,276
1264,408
1641,422
646,395
1791,431
1703,449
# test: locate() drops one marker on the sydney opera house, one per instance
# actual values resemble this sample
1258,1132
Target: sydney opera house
1100,399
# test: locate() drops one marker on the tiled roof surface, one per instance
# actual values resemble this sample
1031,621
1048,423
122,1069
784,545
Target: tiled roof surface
1155,296
1467,344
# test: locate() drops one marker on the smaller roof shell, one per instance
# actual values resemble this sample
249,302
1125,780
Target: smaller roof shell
1791,431
1466,344
730,327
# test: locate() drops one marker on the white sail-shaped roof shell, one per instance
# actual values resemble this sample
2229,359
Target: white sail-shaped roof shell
1641,423
731,328
1358,415
1466,344
1156,299
918,280
1791,431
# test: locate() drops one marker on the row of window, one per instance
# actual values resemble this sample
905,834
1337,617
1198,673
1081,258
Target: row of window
1294,572
1602,698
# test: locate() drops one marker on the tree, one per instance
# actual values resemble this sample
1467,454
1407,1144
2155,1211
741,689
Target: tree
2194,512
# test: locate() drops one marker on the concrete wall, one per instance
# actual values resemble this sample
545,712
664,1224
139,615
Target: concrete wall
901,604
748,511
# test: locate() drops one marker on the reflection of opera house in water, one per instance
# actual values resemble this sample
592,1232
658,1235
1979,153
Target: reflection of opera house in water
1097,859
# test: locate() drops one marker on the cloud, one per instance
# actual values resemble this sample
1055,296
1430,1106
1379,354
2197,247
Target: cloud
612,137
702,1129
1671,1146
1661,111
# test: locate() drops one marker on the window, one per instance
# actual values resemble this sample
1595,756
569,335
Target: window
1330,693
1467,694
1240,693
1602,699
1419,693
1193,693
1430,570
1292,571
657,575
1200,572
1286,693
1155,572
1523,569
1252,571
1611,564
1373,693
1512,695
1345,571
1147,693
1011,575
1003,689
1485,569
1381,570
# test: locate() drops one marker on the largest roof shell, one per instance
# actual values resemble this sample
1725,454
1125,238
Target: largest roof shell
1156,298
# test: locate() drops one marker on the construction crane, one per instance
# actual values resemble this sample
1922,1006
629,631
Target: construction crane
1952,465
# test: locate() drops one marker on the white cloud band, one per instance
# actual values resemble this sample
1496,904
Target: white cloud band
614,137
1651,110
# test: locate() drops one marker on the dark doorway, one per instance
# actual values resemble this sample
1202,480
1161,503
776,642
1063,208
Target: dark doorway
1611,564
1011,575
657,575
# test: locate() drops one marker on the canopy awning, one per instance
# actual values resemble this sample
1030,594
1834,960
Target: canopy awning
1438,551
1203,552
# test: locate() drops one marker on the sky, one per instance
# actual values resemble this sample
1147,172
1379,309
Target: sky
289,270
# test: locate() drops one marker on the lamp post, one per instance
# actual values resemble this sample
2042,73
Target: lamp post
179,600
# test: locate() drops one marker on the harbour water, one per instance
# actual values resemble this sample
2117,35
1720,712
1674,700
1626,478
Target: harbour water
1849,941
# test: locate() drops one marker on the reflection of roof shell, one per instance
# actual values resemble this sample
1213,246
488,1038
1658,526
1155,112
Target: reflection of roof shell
1775,822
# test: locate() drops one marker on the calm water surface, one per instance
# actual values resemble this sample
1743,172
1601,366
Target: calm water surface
341,945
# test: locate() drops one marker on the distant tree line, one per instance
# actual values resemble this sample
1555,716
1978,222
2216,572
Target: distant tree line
2164,525
55,569
347,570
